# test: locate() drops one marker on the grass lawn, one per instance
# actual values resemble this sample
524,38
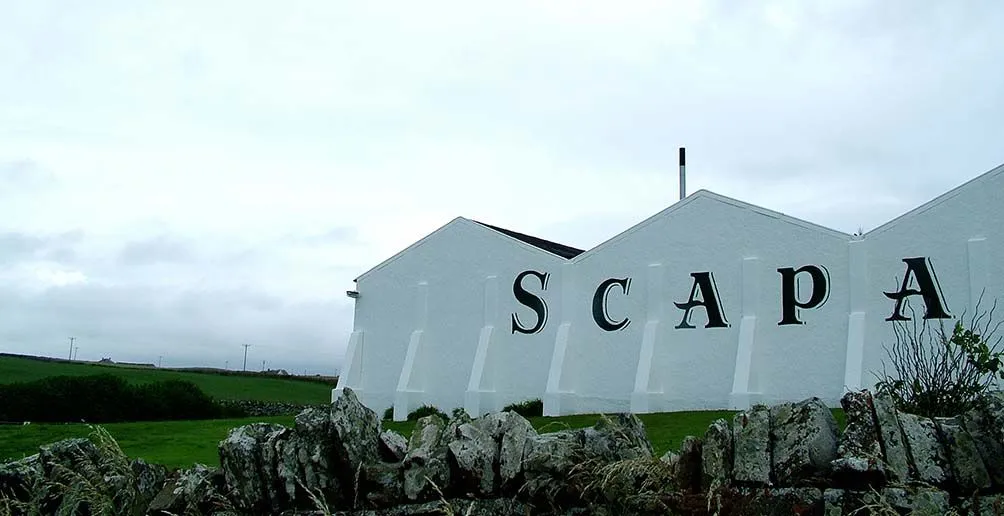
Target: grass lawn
179,444
665,430
171,443
232,387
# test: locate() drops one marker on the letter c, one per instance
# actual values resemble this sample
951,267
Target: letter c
600,314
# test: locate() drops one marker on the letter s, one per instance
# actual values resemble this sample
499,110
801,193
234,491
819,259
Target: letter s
531,301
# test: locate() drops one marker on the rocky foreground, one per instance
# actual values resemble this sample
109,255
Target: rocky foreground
785,459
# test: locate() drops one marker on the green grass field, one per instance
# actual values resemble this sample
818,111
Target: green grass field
179,444
229,387
171,443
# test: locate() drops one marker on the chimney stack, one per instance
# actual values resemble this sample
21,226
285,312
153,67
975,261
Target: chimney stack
683,172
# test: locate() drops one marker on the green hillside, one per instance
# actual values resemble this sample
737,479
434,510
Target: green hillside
220,386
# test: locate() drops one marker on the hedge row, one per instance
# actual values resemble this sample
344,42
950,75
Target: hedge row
106,398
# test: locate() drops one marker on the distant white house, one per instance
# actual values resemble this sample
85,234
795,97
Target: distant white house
711,303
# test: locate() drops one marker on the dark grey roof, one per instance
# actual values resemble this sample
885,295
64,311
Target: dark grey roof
554,248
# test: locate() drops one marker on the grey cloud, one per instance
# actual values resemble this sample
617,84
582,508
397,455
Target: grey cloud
17,245
139,324
233,300
333,236
336,235
748,95
156,250
60,247
23,176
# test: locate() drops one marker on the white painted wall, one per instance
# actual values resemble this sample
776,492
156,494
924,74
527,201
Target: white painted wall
457,348
423,317
961,233
695,368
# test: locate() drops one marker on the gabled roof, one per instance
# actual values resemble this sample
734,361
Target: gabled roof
570,253
531,243
972,183
705,194
555,248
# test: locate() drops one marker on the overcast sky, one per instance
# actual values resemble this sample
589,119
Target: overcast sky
179,178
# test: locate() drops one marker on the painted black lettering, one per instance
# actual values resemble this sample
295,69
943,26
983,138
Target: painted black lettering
926,285
704,283
790,305
530,300
600,314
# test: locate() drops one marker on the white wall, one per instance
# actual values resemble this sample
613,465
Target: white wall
961,235
423,317
457,349
695,368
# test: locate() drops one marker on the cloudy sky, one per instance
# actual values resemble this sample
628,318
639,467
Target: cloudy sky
179,178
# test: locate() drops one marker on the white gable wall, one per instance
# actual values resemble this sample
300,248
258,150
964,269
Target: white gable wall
694,368
420,316
961,234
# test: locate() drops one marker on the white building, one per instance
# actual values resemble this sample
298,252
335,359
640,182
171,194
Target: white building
711,303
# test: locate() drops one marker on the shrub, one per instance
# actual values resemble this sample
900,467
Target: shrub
937,373
426,410
527,409
104,398
388,414
176,399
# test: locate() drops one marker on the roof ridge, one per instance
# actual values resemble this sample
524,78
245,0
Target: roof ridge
565,251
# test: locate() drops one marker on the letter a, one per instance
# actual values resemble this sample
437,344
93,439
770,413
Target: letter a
927,287
705,283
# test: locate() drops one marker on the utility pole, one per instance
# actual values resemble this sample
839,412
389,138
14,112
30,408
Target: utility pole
71,347
246,346
160,359
263,366
226,364
75,350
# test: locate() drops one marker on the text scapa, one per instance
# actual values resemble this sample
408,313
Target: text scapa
919,280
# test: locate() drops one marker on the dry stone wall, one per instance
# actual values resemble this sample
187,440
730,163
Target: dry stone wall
784,459
259,408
